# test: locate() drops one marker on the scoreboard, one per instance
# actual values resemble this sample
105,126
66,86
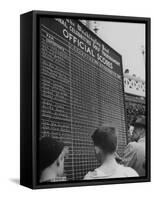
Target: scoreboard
81,88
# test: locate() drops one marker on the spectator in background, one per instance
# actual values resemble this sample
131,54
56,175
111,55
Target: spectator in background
134,155
130,133
126,71
130,130
51,159
105,144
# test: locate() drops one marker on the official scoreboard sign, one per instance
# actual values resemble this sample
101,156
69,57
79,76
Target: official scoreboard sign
81,88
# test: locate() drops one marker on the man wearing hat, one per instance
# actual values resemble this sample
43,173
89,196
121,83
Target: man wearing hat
51,159
105,145
134,155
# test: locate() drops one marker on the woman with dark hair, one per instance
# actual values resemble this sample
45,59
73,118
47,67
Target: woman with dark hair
51,159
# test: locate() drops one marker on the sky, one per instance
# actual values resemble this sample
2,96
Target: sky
129,40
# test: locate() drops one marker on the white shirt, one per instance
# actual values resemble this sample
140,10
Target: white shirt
111,169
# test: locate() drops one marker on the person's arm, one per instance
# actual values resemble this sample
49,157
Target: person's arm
118,158
129,158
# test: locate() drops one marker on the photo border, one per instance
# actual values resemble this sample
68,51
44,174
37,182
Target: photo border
36,98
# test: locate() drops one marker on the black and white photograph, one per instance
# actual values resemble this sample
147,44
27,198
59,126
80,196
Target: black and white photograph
92,110
92,100
76,83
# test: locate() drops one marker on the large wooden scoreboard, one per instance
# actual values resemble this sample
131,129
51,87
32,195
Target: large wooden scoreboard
81,88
